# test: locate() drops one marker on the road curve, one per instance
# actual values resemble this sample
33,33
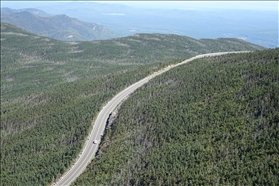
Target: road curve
90,148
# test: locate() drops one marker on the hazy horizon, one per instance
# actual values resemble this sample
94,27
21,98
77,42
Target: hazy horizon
252,21
184,5
251,5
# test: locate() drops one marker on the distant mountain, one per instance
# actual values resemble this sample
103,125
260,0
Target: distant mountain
255,26
31,10
59,27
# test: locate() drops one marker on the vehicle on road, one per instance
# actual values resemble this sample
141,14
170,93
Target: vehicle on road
95,141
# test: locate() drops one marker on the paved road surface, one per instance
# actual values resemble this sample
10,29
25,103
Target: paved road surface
90,148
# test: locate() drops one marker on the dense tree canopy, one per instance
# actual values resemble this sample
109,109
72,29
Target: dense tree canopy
51,91
212,121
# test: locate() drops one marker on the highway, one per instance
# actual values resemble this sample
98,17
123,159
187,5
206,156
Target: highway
90,149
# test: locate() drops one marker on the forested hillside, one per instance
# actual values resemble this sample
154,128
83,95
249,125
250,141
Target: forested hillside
213,121
52,90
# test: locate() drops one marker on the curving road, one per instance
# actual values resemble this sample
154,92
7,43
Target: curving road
90,148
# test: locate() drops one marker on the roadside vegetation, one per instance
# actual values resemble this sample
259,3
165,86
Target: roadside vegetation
51,91
213,121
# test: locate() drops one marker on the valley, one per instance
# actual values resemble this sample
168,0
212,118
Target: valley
258,26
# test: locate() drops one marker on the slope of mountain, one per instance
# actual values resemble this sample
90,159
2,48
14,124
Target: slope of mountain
256,26
52,90
31,10
213,121
59,27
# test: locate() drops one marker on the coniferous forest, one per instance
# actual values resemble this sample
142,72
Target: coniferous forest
213,121
51,91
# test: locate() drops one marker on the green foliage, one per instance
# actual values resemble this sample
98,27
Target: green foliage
54,125
213,121
51,91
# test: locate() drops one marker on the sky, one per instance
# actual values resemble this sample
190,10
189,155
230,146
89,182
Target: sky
251,5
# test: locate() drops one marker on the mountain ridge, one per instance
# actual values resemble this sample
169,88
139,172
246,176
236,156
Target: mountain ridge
61,27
